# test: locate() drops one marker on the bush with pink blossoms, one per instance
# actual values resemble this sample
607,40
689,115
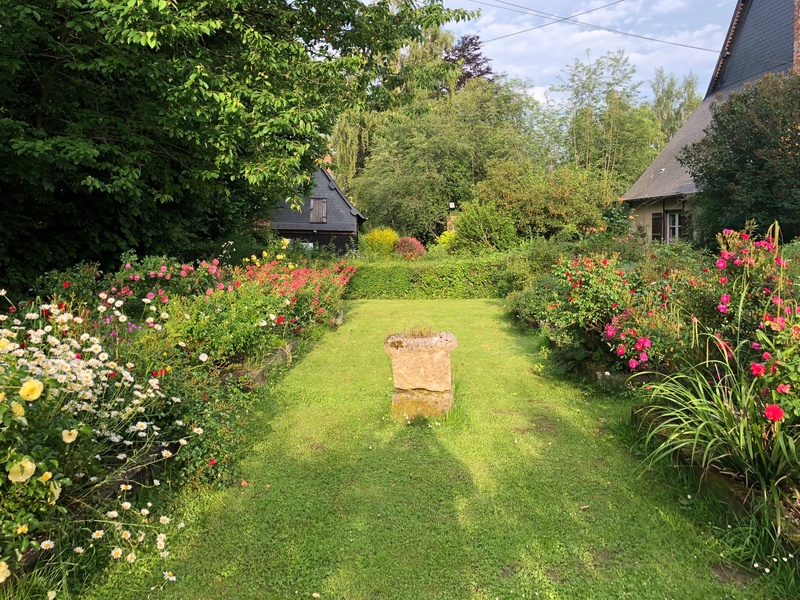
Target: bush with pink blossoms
409,248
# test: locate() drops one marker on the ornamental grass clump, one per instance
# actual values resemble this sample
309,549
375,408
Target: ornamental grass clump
724,414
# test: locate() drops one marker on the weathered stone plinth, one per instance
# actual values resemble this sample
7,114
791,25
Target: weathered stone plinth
422,374
408,404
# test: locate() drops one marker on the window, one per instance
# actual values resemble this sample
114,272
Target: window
657,232
319,210
676,226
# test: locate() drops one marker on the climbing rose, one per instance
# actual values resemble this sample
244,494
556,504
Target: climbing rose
722,263
783,388
757,369
773,412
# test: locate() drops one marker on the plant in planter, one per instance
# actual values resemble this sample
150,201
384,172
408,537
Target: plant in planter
422,373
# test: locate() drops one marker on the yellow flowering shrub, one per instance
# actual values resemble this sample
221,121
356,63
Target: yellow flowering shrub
380,241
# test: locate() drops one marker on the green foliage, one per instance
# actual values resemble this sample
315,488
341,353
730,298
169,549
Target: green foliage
446,239
716,413
609,129
424,158
673,101
575,300
747,164
380,241
545,202
491,276
162,125
482,227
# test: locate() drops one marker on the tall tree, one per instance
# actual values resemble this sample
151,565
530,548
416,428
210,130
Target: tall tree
156,124
673,101
748,164
468,55
607,127
421,161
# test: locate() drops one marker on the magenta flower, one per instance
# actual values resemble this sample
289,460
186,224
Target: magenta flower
621,350
723,308
632,363
722,263
784,388
773,413
643,357
758,369
725,299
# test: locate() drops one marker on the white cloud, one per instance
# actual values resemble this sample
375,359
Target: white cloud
542,54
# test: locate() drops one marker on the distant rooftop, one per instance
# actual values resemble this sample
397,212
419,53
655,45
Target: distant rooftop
760,40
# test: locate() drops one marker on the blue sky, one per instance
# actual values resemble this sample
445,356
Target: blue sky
540,55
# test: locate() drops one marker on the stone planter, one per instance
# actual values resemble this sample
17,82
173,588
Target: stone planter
422,374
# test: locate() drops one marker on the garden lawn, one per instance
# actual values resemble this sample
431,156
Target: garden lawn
522,492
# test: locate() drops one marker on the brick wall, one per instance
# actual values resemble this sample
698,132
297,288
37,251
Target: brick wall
796,61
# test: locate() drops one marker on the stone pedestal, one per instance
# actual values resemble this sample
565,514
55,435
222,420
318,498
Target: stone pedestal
422,374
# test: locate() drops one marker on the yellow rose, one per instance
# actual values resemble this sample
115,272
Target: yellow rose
46,477
21,529
31,390
2,396
22,471
69,436
279,257
17,409
4,343
5,573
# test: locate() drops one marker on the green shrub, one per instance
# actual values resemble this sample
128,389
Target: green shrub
575,300
481,226
446,239
492,276
380,241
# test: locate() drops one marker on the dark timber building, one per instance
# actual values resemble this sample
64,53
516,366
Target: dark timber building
327,218
764,37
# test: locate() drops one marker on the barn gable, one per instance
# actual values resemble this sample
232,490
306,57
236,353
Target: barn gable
327,216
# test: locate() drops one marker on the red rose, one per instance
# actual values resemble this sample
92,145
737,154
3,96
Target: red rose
773,412
212,462
66,284
758,369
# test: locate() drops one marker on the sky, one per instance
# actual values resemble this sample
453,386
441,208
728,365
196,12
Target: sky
540,55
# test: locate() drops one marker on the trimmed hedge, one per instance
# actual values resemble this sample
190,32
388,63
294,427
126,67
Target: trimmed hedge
492,276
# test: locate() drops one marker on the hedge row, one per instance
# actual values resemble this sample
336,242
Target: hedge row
469,277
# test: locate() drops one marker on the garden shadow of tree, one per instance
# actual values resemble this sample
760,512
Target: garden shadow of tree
378,522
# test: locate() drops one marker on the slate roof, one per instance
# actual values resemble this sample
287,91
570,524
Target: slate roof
760,40
342,215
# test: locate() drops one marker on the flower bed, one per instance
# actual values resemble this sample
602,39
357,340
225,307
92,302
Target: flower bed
721,335
101,401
